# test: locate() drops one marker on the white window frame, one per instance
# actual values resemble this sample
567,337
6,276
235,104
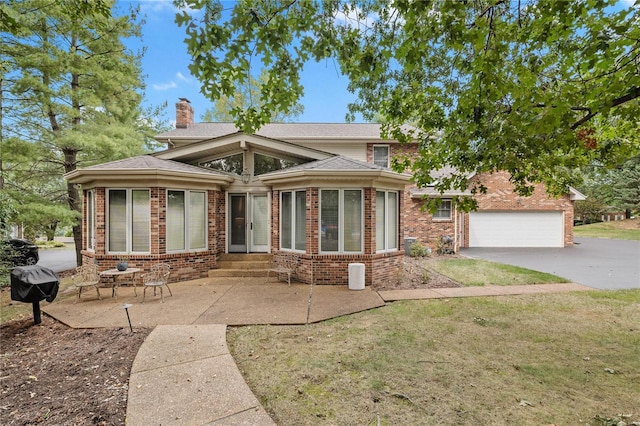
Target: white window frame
293,221
341,221
91,220
373,154
128,221
440,209
386,247
187,220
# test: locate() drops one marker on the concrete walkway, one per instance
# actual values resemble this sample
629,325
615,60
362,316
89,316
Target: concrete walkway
184,374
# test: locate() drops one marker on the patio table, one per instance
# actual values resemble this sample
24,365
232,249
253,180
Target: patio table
121,277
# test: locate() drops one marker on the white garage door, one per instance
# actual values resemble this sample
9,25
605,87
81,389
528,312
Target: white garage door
516,229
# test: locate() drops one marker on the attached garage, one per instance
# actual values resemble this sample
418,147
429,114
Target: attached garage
516,229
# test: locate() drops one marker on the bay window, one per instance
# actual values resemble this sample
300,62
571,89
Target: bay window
293,220
386,221
341,220
186,220
129,221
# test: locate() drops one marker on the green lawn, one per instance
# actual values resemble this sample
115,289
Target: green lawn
473,272
617,230
565,359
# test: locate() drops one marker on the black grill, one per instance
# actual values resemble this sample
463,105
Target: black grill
34,283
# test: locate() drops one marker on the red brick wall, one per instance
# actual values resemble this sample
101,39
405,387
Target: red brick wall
184,114
421,225
500,196
217,222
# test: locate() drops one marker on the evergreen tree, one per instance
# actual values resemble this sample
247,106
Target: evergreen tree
72,89
627,187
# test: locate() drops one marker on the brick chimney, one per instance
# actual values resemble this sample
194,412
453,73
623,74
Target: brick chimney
184,114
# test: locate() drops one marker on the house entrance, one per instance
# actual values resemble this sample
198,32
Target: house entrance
248,223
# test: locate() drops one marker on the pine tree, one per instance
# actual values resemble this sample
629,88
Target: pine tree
71,88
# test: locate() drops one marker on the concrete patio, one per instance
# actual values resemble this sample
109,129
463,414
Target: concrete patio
230,301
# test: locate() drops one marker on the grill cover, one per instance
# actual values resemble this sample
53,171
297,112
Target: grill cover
34,283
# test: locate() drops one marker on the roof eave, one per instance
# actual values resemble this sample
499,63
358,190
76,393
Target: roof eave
575,195
81,176
344,174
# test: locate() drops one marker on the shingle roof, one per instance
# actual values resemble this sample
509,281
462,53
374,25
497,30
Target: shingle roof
151,162
338,162
282,131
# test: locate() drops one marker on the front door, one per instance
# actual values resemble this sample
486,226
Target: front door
259,235
248,223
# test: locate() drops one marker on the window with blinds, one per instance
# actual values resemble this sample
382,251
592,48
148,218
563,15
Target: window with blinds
186,220
386,221
341,220
293,220
128,221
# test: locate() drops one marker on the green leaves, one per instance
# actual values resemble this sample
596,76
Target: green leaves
489,85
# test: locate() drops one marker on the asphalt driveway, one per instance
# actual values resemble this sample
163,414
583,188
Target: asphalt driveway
594,262
58,259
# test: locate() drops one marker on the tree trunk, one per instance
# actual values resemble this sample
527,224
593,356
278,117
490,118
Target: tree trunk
51,232
627,214
70,157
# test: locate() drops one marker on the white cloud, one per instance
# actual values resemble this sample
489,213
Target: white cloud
181,76
156,6
352,18
629,3
165,86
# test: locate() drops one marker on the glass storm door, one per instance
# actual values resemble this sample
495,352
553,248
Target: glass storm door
238,223
248,223
259,223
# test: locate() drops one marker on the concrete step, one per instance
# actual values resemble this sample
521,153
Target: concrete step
243,264
252,257
216,273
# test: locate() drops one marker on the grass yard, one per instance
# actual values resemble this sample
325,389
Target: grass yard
619,230
537,359
474,272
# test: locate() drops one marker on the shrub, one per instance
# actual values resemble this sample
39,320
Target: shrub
418,250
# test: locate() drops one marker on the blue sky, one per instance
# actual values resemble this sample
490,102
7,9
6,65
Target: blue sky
166,61
167,77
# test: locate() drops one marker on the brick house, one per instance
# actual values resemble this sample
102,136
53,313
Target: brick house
323,193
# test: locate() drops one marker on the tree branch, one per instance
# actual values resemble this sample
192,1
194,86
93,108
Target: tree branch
633,94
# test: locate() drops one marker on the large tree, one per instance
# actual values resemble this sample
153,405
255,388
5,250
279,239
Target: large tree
71,87
521,86
246,96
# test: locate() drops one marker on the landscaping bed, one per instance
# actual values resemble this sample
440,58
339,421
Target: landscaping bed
53,374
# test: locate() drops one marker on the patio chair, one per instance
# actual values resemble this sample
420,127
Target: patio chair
86,276
286,264
158,277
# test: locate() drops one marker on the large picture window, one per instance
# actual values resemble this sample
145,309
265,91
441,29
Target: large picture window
129,221
186,220
293,220
91,220
386,221
341,220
